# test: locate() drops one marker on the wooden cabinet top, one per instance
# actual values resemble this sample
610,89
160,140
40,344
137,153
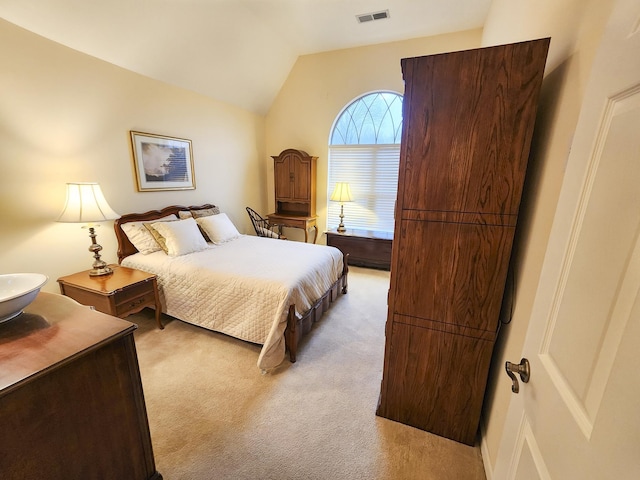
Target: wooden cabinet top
52,330
293,151
374,234
275,217
107,284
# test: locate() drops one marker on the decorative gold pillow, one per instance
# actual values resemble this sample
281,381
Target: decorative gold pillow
141,237
199,212
205,212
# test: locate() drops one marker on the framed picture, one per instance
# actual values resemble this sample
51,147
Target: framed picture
162,163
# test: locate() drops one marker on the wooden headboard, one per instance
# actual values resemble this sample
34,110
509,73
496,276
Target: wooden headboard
125,247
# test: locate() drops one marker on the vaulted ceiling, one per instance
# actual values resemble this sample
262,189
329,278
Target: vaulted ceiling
236,51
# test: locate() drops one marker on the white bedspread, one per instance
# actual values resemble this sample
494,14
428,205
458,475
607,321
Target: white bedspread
244,287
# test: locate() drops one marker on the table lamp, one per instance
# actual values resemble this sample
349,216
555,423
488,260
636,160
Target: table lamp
86,204
341,193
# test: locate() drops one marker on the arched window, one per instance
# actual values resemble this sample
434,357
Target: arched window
364,151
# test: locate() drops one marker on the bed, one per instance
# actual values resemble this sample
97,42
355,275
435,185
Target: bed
260,290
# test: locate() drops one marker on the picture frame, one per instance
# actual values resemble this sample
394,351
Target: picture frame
162,162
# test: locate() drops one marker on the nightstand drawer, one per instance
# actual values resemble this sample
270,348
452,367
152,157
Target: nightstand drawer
127,306
133,297
133,291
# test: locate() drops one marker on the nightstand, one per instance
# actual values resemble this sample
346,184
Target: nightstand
121,293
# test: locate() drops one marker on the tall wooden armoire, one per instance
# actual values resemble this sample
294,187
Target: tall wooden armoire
295,182
295,191
468,121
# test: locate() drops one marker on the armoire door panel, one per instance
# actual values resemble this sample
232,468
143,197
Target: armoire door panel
451,272
282,178
475,110
302,182
439,388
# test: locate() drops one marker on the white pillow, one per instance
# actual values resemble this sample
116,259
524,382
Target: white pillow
140,236
218,228
197,213
181,237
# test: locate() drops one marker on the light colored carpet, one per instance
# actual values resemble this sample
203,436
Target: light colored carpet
214,416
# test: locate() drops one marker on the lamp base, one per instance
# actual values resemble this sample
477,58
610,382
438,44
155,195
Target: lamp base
341,228
100,267
97,271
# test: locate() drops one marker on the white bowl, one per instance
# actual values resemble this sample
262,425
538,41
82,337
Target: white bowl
17,290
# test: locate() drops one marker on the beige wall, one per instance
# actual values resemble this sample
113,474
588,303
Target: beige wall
321,85
575,28
65,116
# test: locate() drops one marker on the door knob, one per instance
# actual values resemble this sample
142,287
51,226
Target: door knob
522,369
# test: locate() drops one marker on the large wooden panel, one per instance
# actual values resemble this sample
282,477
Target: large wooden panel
68,417
467,124
452,272
438,381
475,112
71,400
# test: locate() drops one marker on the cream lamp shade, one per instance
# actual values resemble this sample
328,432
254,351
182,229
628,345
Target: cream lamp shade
341,193
86,204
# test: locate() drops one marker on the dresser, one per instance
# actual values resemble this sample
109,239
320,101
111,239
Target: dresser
71,399
468,120
366,248
295,191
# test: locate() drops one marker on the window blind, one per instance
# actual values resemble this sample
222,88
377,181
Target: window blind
372,173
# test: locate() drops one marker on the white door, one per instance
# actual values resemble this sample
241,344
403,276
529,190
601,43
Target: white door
579,415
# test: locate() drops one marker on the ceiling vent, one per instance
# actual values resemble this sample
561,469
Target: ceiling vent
369,17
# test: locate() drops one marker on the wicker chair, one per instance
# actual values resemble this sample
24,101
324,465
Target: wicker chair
262,226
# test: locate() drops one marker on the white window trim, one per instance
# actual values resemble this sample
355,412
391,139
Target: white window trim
374,190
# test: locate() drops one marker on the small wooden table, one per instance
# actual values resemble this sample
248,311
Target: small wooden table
121,293
295,221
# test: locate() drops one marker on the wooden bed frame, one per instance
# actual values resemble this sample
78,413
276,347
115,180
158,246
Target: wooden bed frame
296,327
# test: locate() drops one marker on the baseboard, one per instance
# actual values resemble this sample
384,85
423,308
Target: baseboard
484,450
